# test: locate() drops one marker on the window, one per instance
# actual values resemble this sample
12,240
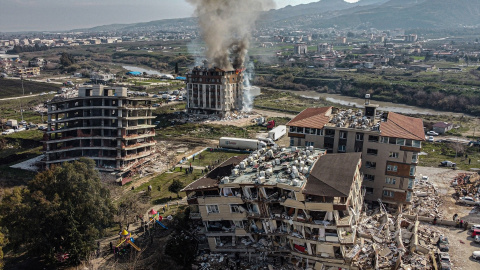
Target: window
320,132
309,143
372,138
293,129
341,148
384,139
238,224
410,183
412,170
409,196
329,133
307,130
234,208
299,129
343,135
313,131
392,168
292,141
390,181
369,177
213,208
400,141
388,193
417,144
371,151
392,140
393,155
371,164
415,158
368,190
359,136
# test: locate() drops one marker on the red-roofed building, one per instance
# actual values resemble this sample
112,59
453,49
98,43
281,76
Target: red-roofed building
389,143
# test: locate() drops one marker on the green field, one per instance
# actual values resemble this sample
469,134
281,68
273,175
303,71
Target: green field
438,152
13,88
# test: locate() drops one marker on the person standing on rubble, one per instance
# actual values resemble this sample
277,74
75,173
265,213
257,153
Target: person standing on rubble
435,220
465,225
455,217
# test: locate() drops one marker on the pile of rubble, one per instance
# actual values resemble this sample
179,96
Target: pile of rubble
392,242
223,261
466,184
425,200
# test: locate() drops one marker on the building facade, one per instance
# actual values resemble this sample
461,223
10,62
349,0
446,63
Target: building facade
296,203
389,143
301,48
104,124
214,91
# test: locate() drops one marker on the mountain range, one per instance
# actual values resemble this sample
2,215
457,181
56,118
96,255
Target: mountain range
364,14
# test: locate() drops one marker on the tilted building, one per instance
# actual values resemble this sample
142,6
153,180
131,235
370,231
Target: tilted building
104,124
389,143
299,204
214,91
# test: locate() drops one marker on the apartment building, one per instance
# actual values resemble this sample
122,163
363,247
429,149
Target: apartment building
214,91
389,143
297,203
104,124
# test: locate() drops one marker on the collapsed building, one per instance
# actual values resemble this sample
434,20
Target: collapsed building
295,203
104,124
389,143
214,91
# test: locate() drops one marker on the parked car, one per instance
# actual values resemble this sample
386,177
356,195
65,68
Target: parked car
20,129
430,139
476,255
42,128
444,260
443,244
475,227
468,201
477,239
432,133
448,163
23,122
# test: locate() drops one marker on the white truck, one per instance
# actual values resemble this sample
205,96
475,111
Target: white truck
165,96
277,132
240,143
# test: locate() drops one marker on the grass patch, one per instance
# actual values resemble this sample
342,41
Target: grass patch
13,88
33,134
160,184
202,131
210,158
438,152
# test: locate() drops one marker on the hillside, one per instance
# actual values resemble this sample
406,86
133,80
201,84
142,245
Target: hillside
364,14
427,14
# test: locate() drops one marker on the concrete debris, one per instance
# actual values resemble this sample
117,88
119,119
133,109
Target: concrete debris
392,242
220,261
425,200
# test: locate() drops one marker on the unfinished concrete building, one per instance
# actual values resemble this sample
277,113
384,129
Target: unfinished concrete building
214,91
104,124
390,144
295,203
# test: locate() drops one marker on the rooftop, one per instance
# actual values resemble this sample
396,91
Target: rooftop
332,175
287,166
389,124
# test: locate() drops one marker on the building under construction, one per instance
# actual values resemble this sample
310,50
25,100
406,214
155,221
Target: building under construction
214,91
104,124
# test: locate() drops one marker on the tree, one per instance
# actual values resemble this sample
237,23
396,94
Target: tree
62,210
176,186
66,59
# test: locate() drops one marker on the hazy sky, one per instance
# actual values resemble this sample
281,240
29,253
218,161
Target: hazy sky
37,15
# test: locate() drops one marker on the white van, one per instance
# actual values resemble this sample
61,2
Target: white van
172,98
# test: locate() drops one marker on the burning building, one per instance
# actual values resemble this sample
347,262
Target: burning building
214,91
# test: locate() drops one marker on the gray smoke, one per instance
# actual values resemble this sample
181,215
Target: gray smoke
226,26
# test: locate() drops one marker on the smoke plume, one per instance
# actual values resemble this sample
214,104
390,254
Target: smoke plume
226,26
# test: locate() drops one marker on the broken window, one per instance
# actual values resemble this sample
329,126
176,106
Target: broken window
392,168
371,151
388,193
393,155
212,209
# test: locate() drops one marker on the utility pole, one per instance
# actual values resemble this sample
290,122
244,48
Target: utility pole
23,94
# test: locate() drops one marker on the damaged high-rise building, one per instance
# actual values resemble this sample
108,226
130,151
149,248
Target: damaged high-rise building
214,91
103,123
